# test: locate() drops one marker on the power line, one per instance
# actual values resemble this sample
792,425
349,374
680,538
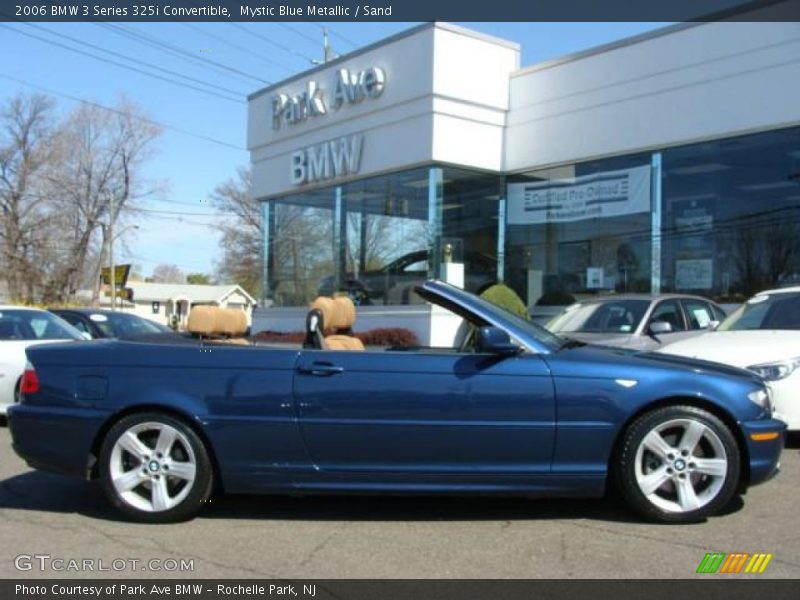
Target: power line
302,34
141,62
119,112
242,49
336,34
169,212
272,42
150,40
124,66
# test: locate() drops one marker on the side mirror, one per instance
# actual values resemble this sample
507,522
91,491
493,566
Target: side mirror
493,340
712,326
86,335
659,327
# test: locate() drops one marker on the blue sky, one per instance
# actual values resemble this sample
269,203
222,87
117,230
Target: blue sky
183,233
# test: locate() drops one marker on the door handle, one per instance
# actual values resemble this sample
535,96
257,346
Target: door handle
320,369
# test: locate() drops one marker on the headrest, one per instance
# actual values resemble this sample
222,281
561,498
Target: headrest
345,312
327,308
201,320
212,320
231,321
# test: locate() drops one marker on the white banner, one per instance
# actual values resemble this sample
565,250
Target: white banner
596,196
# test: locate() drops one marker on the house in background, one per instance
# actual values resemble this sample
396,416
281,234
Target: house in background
160,302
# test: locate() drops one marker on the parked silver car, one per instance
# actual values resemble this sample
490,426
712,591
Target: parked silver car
637,321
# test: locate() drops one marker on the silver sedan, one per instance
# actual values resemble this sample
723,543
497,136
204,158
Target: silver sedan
637,321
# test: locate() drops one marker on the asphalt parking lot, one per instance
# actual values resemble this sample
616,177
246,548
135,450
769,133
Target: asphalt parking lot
386,537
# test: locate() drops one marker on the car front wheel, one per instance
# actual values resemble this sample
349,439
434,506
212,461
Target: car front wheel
154,468
678,464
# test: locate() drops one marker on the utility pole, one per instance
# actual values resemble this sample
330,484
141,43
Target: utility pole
327,52
112,276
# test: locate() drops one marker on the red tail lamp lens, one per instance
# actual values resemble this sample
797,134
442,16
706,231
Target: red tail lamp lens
30,382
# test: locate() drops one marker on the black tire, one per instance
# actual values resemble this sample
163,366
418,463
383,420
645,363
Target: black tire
717,492
199,490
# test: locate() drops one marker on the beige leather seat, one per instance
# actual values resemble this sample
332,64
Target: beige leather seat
329,324
225,325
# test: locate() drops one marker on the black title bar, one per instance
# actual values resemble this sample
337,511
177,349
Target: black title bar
410,589
400,10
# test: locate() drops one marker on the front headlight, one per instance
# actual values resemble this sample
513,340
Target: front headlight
776,371
762,398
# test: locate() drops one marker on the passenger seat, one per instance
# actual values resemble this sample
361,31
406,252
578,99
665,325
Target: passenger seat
329,325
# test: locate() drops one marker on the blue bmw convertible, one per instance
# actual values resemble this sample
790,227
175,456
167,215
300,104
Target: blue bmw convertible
509,409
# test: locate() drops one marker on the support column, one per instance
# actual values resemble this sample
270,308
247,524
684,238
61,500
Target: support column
435,203
655,223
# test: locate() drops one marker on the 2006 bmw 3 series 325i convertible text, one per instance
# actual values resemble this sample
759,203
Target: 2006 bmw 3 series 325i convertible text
510,409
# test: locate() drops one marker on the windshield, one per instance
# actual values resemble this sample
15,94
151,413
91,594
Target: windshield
16,325
120,325
765,311
612,316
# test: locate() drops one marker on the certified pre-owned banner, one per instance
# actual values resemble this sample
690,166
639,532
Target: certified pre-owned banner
596,196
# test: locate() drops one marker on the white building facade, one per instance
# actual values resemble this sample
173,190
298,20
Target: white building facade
665,162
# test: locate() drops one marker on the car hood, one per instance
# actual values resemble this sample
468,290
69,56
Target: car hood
609,362
601,339
739,348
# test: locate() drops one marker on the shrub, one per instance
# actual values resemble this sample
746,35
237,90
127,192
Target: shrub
504,297
388,336
292,337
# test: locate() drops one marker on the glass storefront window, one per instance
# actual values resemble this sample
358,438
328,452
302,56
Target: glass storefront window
377,238
385,238
580,230
731,215
300,251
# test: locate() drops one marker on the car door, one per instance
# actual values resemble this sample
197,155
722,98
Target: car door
699,315
426,412
668,311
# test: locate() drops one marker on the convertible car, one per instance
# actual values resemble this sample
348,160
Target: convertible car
509,409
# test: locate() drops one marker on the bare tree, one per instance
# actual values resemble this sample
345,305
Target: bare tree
97,180
164,273
241,232
27,153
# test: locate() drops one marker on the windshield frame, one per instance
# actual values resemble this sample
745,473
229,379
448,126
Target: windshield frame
752,304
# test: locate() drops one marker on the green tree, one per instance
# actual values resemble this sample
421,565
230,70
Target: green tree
198,278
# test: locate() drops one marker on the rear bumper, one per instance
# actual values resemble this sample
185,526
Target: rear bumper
53,439
764,455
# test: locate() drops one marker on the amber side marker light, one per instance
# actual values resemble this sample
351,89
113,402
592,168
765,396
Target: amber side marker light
764,437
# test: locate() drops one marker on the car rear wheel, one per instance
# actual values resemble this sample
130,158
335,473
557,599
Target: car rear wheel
154,468
678,464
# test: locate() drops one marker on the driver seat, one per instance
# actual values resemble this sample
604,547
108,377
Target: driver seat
329,325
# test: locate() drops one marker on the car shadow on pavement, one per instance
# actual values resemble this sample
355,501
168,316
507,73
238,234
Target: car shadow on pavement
44,492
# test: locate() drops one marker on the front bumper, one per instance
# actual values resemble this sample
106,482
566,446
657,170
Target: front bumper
764,454
53,439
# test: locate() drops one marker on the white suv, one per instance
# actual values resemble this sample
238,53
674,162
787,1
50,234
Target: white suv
762,335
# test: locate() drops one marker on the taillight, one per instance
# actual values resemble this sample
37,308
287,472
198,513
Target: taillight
30,382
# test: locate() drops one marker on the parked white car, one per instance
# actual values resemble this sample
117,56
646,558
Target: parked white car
762,335
21,327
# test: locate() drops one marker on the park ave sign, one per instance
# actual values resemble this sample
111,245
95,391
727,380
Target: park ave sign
333,158
348,88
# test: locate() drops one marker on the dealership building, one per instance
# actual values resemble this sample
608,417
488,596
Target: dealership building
666,162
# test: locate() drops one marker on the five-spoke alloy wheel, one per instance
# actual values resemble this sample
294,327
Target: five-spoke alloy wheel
155,468
678,464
